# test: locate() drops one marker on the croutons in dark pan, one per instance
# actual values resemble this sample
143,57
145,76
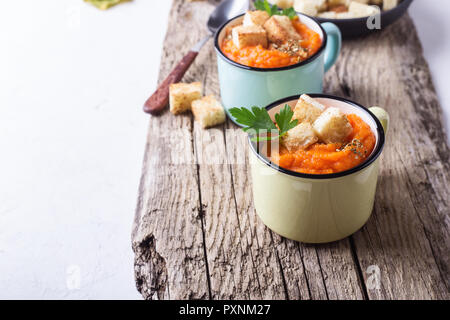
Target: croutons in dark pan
358,26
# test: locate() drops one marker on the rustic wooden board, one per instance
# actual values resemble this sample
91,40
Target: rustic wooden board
196,234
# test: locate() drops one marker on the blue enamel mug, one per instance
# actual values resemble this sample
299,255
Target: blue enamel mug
244,86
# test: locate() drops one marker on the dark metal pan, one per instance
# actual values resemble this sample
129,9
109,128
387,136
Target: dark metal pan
358,26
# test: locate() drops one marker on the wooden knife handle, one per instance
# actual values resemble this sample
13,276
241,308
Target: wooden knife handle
160,98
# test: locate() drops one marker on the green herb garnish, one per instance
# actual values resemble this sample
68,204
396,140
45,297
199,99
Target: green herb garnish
264,5
258,120
105,4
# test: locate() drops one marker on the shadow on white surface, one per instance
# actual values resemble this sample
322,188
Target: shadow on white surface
72,135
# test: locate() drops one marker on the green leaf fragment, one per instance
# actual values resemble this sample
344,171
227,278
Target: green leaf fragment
258,119
284,118
264,5
105,4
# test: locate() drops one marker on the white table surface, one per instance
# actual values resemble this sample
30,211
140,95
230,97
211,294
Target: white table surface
72,135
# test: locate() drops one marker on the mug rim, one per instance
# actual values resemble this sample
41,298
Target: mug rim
375,154
292,66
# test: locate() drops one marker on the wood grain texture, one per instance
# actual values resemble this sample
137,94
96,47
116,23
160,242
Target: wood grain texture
196,234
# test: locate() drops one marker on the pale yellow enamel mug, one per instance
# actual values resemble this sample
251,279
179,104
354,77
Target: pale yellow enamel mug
316,208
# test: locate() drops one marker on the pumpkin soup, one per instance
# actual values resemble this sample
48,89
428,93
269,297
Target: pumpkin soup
270,42
313,138
325,141
323,158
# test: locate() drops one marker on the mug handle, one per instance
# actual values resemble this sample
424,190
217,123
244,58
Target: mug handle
383,116
334,44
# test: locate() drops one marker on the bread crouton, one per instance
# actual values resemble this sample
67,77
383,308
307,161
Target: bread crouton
332,126
327,15
299,137
333,3
389,4
307,7
360,10
280,29
181,96
307,109
208,111
310,7
321,5
283,4
255,18
244,36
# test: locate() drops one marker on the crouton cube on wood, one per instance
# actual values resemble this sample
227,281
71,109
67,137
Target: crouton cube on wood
208,111
181,96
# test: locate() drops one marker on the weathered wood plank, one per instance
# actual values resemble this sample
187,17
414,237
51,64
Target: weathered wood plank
167,235
196,233
256,238
408,234
233,272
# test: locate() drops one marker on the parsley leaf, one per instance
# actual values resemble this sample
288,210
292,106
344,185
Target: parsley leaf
284,120
259,5
258,119
290,12
264,5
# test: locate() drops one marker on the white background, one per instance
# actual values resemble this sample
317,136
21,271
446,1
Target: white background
72,134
